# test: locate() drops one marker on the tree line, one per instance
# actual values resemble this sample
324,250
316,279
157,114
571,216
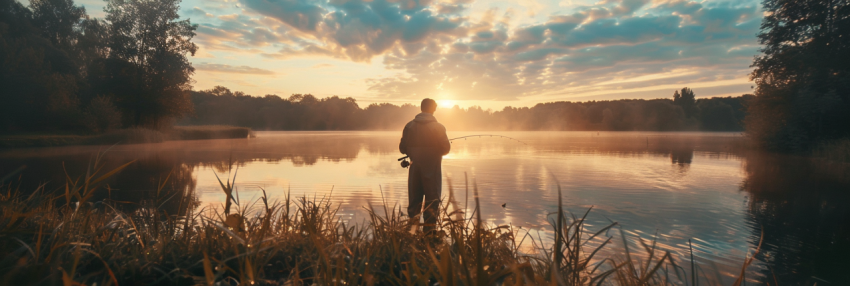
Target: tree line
683,112
63,70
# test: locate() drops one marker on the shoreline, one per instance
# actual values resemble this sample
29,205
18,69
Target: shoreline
127,136
298,241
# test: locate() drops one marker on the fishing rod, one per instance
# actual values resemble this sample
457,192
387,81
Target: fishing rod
405,163
488,135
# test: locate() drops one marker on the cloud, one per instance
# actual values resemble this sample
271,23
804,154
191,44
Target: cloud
583,53
198,12
320,66
222,68
304,15
361,30
450,48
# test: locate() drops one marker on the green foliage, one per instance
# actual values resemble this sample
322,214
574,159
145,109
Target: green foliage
148,48
101,115
220,106
57,64
723,114
40,82
803,77
58,21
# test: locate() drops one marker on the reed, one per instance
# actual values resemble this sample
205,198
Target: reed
63,238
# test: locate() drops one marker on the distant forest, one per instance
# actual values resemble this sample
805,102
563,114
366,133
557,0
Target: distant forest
682,112
63,71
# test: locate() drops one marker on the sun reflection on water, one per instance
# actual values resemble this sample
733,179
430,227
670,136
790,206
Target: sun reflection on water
674,187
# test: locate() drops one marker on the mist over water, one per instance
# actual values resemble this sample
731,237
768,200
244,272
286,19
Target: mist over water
676,186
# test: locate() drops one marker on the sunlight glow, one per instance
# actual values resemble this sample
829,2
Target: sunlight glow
446,103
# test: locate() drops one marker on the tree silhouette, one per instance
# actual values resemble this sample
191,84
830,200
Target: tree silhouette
220,105
59,68
58,20
687,100
803,76
147,35
39,79
62,70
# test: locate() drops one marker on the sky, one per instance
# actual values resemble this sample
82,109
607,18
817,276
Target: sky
491,54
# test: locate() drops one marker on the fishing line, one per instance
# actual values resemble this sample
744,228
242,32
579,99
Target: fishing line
405,163
488,135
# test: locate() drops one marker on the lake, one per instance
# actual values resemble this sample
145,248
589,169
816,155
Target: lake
672,187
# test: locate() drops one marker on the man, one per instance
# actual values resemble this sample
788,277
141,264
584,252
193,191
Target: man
424,140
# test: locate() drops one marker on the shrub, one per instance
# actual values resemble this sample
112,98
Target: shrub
102,115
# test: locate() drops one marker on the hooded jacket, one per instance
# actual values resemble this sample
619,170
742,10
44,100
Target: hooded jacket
424,137
425,141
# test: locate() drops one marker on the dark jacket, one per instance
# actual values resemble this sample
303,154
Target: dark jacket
425,141
424,136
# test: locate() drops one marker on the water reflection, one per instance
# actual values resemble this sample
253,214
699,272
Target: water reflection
682,156
153,176
678,186
801,204
164,182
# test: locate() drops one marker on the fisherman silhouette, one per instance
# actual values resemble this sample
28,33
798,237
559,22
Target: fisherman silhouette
424,140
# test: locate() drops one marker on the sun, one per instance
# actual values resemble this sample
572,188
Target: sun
446,103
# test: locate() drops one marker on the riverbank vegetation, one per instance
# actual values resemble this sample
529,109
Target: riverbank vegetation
64,71
63,237
126,136
802,77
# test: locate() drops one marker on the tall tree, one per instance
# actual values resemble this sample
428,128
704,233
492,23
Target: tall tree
687,100
148,45
38,78
803,76
59,20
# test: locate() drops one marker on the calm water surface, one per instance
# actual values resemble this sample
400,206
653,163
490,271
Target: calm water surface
677,187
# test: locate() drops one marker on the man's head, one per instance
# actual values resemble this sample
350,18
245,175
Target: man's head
428,105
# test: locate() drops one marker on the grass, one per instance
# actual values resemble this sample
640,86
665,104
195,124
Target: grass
63,238
126,136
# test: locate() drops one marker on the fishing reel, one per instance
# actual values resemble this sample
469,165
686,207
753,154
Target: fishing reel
404,162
